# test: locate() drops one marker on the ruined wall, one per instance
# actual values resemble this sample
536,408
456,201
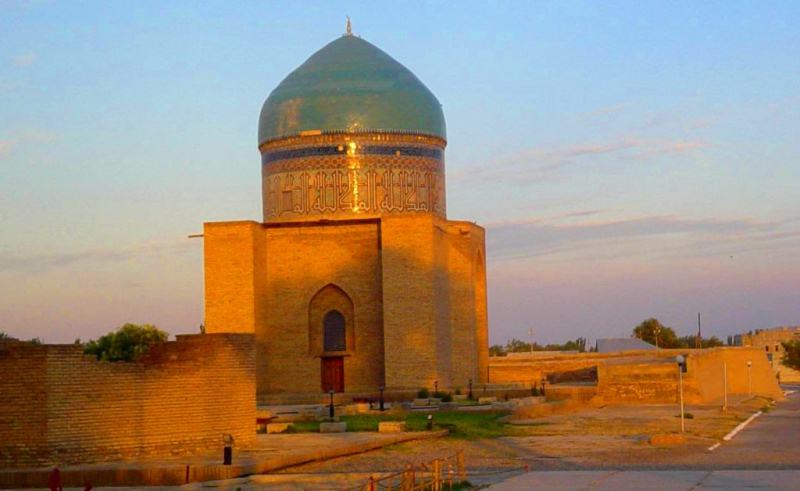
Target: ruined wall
651,377
63,407
646,382
530,371
771,342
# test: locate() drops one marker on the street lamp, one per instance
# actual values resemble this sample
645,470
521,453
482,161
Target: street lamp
330,407
470,390
749,378
381,389
681,360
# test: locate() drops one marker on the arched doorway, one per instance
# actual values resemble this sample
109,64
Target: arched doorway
331,334
333,328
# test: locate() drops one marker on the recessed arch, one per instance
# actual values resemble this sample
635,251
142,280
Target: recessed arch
331,306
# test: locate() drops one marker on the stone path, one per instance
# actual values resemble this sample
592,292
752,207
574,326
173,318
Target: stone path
731,480
272,452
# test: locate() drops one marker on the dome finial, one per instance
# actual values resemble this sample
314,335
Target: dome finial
348,28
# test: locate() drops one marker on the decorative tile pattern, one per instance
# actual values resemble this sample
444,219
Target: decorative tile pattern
348,175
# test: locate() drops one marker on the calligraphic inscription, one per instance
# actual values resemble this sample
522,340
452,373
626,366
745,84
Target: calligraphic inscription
307,187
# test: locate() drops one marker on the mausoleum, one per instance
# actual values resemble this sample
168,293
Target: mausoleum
355,279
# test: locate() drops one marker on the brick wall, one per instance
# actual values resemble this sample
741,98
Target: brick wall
652,376
61,407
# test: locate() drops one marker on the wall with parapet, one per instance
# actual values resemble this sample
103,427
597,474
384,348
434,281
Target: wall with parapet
63,407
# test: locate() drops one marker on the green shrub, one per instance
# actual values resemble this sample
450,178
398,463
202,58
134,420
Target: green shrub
458,391
126,343
447,397
423,393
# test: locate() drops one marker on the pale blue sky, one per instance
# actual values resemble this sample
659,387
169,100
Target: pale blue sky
629,159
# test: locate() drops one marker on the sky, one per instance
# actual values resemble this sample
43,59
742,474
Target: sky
627,159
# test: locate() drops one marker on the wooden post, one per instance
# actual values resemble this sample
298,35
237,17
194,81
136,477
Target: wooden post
462,468
437,471
450,474
371,483
408,479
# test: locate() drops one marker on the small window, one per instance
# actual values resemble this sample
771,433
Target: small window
777,347
333,325
767,348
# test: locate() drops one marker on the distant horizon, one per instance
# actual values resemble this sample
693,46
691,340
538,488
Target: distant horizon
627,161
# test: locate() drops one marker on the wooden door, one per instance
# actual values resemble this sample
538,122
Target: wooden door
333,374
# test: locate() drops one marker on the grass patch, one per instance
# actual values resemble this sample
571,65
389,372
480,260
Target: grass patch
462,425
304,427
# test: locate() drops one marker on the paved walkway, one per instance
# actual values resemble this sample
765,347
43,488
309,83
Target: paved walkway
272,452
653,480
765,455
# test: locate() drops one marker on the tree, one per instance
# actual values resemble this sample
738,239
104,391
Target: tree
497,350
791,354
126,343
653,332
5,337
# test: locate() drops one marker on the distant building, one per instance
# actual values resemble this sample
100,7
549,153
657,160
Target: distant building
771,341
616,345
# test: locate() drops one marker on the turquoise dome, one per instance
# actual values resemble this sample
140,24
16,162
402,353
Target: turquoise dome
350,85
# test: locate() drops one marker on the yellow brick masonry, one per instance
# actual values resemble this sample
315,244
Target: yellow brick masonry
416,283
63,407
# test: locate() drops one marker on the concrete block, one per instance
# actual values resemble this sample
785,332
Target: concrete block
430,401
663,439
391,427
333,427
459,397
278,427
486,400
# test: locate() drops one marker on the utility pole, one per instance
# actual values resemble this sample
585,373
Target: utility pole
698,341
530,333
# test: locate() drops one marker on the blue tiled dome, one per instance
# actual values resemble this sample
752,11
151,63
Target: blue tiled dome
350,86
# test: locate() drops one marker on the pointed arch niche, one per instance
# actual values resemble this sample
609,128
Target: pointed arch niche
330,303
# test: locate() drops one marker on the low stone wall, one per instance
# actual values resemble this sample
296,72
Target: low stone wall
63,407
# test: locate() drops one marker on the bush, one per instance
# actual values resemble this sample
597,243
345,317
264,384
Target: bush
423,393
126,343
447,397
458,391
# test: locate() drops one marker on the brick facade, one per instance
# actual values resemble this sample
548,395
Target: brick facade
415,284
62,407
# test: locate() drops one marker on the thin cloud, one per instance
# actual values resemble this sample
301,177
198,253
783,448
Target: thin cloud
9,144
538,238
40,262
6,146
606,110
25,59
537,164
585,213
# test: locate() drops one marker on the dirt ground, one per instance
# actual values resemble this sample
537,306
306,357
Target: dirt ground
607,437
